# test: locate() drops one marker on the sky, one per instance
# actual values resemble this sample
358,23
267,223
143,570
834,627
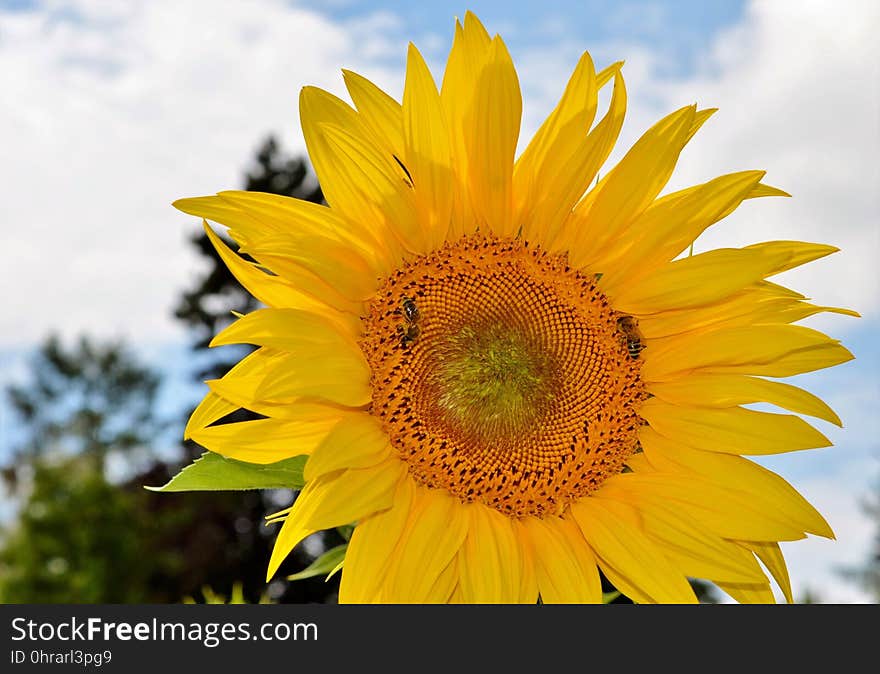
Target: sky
111,110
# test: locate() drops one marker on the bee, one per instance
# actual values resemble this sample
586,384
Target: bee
410,330
629,329
410,310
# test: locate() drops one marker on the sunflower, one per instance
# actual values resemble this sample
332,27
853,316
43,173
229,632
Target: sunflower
510,381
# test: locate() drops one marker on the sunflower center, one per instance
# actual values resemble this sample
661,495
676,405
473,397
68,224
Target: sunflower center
491,381
503,376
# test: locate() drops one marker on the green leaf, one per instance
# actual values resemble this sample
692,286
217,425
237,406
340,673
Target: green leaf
608,597
346,530
330,562
336,569
213,472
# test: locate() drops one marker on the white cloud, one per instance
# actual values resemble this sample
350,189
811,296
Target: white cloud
113,110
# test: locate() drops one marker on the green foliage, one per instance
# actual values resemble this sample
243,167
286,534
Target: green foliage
213,472
78,539
209,596
325,565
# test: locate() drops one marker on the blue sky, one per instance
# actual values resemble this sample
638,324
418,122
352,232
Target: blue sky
679,28
113,110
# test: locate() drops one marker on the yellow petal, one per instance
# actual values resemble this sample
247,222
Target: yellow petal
490,559
270,440
762,303
729,513
491,130
703,205
337,265
282,215
302,290
470,50
769,350
379,111
670,224
762,190
427,146
632,185
346,307
235,389
352,494
246,388
542,168
371,547
319,108
378,186
793,253
731,390
320,371
638,462
571,168
433,536
291,330
231,215
345,183
291,534
797,311
699,119
334,500
764,490
270,290
698,279
565,566
317,360
241,392
733,430
628,558
749,593
528,589
571,119
470,45
696,550
357,441
701,279
574,231
771,555
210,409
444,586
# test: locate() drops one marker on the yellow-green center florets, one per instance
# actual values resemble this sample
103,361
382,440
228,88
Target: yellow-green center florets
492,381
